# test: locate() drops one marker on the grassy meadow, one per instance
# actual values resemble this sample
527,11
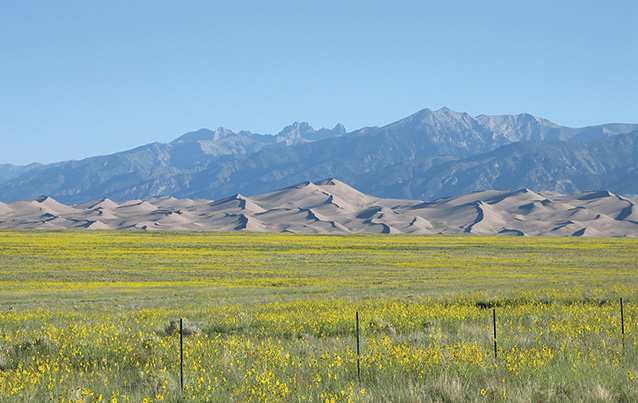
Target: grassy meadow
85,316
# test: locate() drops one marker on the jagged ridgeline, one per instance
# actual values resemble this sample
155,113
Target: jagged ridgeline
428,155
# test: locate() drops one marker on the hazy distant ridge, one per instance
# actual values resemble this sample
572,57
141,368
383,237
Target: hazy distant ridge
427,155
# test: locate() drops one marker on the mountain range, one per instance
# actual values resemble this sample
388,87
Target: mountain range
425,156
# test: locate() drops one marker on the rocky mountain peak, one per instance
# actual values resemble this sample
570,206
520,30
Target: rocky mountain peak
295,130
430,153
203,135
339,129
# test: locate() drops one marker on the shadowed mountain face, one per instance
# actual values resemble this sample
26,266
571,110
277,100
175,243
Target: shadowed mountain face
564,167
427,155
331,206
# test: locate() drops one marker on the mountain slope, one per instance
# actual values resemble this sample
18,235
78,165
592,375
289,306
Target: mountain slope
564,167
212,164
433,136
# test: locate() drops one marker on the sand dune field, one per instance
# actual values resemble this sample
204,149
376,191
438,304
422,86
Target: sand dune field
331,206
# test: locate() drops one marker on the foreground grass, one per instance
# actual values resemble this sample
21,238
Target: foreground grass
86,317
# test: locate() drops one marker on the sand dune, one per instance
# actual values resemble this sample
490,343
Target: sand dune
135,206
39,206
51,206
94,225
105,203
237,203
488,220
5,209
628,213
332,206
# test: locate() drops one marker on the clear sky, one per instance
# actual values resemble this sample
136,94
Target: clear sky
84,78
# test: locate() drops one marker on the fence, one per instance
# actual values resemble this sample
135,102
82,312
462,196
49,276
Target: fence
493,334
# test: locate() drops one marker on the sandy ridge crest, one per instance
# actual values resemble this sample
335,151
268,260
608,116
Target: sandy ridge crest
331,206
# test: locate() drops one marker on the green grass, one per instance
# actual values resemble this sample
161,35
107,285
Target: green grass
275,317
52,266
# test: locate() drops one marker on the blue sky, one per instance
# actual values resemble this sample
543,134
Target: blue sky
83,78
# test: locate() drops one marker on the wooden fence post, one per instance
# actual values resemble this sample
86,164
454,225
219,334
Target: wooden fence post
181,352
358,349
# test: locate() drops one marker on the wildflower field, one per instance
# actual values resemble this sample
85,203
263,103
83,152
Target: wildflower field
92,316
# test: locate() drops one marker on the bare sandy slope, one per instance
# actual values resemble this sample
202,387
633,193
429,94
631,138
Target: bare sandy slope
332,206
